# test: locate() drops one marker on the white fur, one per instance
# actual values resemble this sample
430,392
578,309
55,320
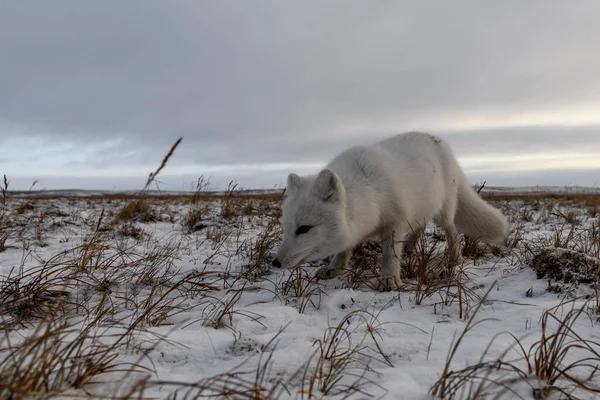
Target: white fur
387,189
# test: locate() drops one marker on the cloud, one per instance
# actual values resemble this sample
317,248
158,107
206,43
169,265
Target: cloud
115,83
523,140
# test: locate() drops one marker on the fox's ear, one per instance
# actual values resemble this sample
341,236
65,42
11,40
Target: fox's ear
293,183
327,186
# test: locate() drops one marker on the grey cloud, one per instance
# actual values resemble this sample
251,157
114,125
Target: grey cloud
212,71
520,140
269,82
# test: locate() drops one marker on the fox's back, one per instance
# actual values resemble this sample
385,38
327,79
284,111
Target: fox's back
415,169
413,156
417,147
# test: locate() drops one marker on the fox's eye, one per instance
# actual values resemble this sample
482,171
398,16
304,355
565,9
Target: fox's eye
303,229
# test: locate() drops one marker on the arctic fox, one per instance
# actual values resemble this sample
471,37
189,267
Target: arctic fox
385,190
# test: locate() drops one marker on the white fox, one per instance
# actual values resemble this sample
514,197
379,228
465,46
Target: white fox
384,190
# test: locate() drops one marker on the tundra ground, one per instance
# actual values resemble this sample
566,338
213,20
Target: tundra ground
157,296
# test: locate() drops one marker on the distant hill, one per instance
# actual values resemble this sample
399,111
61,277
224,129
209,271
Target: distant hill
487,189
541,190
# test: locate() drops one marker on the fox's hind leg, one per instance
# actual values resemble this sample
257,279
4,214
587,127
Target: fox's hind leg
452,240
336,267
392,243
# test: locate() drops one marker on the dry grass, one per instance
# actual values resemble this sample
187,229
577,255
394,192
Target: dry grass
341,366
137,210
251,383
131,230
4,235
561,363
152,176
25,207
4,228
300,289
192,220
66,357
258,250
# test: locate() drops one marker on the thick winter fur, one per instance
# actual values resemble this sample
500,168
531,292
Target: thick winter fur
384,190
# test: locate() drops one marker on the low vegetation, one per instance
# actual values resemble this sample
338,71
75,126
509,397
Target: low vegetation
102,296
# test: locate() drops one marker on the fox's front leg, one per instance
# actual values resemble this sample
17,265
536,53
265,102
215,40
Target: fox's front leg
392,243
336,267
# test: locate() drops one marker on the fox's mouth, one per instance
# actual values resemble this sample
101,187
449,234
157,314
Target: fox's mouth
296,264
303,260
303,257
310,257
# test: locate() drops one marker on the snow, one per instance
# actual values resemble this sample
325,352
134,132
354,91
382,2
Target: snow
405,345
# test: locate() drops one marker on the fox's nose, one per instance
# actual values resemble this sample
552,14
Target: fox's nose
276,263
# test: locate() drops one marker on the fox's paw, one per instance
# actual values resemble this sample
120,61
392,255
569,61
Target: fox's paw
390,283
328,273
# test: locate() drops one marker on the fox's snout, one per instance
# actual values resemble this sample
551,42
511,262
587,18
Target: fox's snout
276,263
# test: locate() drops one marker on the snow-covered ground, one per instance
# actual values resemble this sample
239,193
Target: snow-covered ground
167,309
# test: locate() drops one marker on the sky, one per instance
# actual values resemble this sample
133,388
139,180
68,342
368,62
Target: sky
93,94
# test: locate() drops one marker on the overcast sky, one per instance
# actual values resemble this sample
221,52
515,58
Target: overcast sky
93,93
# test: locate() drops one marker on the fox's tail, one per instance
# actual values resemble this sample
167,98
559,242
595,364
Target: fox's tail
478,219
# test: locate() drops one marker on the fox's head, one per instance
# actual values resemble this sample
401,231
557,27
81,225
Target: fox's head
313,219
